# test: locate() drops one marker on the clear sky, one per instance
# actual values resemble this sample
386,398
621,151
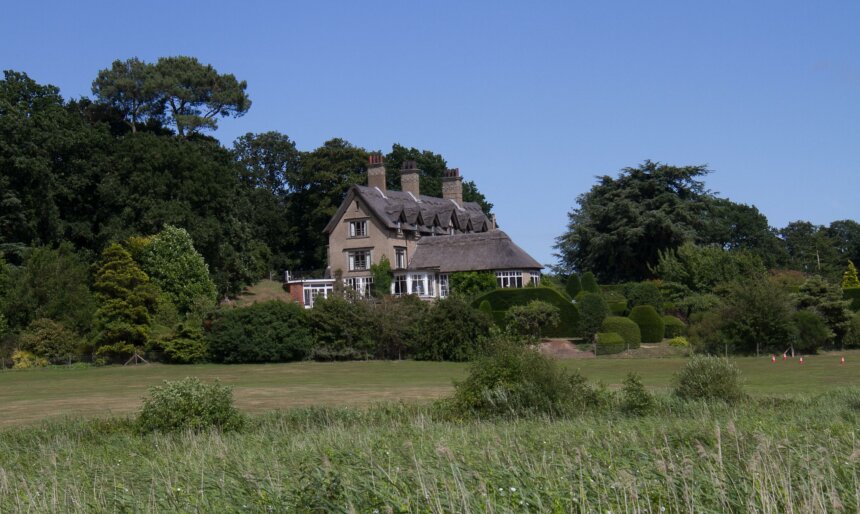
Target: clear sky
529,99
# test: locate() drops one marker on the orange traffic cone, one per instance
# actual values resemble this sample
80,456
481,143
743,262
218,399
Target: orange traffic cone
801,360
773,358
784,356
841,360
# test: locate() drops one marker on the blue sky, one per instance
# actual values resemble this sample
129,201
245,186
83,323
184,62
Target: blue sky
529,99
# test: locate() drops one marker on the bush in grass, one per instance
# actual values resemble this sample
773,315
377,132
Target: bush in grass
608,343
679,342
263,332
673,327
706,377
341,328
589,282
531,320
26,360
592,310
650,323
625,327
635,399
50,340
514,380
451,331
189,404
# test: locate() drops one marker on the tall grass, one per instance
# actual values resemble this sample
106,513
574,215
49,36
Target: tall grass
788,455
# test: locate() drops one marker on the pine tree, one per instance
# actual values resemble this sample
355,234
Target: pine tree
849,278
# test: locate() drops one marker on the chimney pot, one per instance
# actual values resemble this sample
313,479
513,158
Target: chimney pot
376,171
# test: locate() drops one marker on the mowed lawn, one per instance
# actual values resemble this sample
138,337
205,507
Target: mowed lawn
28,396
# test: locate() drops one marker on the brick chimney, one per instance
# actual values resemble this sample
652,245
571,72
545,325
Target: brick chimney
452,186
376,171
409,178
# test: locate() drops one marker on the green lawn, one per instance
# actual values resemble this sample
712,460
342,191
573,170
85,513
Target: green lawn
28,396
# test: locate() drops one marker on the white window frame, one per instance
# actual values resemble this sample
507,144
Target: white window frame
358,228
399,285
509,279
311,292
400,257
534,278
444,290
361,285
351,259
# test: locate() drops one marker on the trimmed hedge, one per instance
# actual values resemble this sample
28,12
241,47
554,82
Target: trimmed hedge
503,299
650,323
609,343
625,327
853,294
618,308
673,327
589,282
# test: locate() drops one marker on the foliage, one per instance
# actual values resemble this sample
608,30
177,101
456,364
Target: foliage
395,325
451,331
114,353
486,308
573,285
810,249
650,323
186,345
22,359
592,310
129,88
341,327
532,319
172,263
849,277
470,284
382,277
262,332
607,343
702,268
635,400
812,332
643,293
189,405
679,342
673,327
514,380
503,299
709,378
853,338
625,327
852,295
589,283
828,301
127,300
51,340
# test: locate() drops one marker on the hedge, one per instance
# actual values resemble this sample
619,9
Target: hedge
650,323
618,308
609,343
853,294
502,299
625,327
673,327
589,282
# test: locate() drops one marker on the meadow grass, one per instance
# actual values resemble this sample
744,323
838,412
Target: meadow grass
798,454
28,396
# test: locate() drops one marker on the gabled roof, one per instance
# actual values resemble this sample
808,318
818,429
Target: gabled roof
393,207
478,251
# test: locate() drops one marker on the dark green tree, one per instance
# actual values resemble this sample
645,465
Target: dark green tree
129,87
826,299
573,285
382,277
702,268
592,310
845,234
810,249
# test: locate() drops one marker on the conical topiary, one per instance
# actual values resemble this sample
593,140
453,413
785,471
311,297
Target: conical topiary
589,282
573,286
849,278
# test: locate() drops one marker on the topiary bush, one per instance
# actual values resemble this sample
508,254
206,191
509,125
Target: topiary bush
573,285
673,327
625,327
679,342
617,307
189,404
706,377
589,283
486,308
592,311
650,323
503,299
531,320
272,331
608,343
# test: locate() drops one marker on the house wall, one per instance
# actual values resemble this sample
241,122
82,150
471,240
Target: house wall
380,240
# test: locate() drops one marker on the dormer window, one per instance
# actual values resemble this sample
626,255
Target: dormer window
358,228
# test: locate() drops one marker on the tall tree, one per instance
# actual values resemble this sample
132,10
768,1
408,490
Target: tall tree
810,249
129,87
194,95
735,226
622,223
845,235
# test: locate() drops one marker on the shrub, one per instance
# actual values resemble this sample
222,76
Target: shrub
186,345
115,353
625,327
849,278
828,301
573,285
643,293
451,331
341,326
673,327
26,360
709,378
189,404
679,342
589,283
853,337
532,319
852,294
486,308
592,310
635,399
382,277
617,307
503,299
515,380
470,284
50,340
263,332
649,321
609,343
812,332
395,325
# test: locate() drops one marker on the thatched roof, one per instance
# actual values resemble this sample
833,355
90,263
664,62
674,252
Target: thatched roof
480,251
426,214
